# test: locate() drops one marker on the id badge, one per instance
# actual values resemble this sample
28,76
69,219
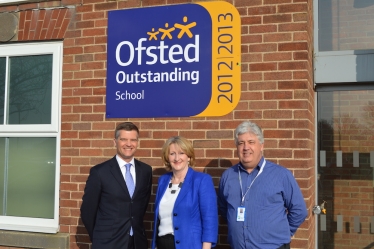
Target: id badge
241,214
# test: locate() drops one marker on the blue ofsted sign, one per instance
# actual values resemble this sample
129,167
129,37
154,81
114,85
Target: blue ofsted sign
162,62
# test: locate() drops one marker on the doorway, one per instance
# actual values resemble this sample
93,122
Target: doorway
345,173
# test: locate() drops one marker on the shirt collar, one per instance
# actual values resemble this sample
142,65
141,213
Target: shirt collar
122,162
257,168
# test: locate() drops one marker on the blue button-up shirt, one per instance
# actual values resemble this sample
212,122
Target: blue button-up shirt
274,206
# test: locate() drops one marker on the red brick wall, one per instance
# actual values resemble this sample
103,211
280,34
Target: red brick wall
277,93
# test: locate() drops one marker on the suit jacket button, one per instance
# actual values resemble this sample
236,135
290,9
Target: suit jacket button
177,241
175,214
176,228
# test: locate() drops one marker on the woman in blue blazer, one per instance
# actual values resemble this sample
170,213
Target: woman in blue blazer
186,215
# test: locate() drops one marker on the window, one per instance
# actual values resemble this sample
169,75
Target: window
344,35
345,25
346,166
30,104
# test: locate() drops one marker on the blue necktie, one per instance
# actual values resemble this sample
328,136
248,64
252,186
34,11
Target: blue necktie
130,184
129,180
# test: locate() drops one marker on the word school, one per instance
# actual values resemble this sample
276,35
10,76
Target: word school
129,96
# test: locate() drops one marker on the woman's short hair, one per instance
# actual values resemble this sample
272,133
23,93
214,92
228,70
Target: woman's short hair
184,144
249,127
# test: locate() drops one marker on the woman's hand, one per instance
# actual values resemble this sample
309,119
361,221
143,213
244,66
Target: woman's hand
207,245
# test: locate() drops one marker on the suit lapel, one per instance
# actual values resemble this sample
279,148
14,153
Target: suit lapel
162,187
164,184
186,187
139,174
117,174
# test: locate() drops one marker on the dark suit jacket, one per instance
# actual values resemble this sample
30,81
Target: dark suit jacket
107,209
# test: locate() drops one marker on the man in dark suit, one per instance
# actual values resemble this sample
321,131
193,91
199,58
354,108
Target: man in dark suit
116,196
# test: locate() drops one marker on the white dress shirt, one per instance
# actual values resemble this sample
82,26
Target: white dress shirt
122,166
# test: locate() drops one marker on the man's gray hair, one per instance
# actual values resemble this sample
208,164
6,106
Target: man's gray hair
249,127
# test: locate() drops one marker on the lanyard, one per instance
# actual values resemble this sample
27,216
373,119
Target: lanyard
240,182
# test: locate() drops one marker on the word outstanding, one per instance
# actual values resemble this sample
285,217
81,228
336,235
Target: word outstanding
176,75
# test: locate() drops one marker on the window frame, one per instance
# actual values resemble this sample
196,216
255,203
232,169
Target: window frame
44,130
12,1
37,49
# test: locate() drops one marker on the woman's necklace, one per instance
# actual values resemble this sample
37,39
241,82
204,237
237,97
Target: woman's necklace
173,191
175,181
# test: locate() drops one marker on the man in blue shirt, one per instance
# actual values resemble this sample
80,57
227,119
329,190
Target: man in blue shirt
260,200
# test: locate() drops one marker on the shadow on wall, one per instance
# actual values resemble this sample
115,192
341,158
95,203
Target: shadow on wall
369,246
